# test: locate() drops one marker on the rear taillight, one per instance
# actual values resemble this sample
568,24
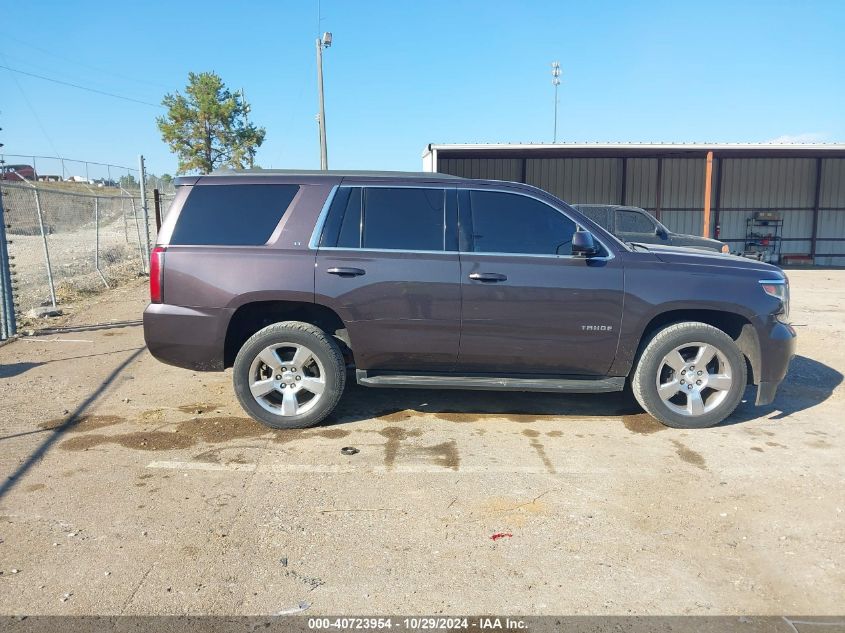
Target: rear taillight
156,273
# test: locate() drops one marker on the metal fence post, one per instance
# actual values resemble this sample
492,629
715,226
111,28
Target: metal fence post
97,240
143,174
8,326
46,248
125,223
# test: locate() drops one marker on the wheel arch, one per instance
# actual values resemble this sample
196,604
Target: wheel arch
250,317
737,326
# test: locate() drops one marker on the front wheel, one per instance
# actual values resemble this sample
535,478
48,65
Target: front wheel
690,375
289,375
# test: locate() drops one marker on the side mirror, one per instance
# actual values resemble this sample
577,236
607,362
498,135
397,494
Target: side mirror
583,244
661,233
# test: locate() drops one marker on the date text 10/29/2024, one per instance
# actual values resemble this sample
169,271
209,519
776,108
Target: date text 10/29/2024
417,624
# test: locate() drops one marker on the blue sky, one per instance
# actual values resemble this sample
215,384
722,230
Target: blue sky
402,74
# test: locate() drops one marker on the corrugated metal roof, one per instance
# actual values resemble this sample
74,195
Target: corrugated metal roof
648,146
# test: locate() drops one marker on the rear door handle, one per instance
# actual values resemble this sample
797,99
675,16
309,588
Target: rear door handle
346,272
488,277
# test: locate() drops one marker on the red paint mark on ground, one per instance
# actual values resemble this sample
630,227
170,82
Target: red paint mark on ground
499,535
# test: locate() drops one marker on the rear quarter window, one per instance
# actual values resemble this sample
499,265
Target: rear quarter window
232,215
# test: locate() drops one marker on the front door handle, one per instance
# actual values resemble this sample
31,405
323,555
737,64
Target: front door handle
492,277
346,272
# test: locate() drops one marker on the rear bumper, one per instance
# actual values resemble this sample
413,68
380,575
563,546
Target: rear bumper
193,338
777,347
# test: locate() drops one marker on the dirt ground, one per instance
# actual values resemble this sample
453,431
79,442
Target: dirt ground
131,487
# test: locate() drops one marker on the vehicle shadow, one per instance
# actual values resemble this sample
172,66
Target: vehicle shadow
808,383
394,405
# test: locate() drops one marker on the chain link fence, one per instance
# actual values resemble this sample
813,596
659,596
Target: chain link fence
85,175
64,243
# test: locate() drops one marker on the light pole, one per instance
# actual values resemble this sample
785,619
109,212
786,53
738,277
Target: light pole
555,83
322,42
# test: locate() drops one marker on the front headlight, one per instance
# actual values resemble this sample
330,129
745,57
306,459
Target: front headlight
778,288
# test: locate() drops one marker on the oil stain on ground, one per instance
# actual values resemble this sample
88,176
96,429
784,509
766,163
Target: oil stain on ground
642,423
292,435
690,456
444,454
82,423
208,430
395,436
537,445
184,435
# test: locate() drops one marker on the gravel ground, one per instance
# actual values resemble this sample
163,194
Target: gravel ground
162,498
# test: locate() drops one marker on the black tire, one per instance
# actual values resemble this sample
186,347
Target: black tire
651,361
323,347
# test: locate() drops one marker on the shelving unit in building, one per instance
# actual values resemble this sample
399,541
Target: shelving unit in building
764,236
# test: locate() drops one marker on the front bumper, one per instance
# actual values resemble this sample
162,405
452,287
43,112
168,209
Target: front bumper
777,347
193,338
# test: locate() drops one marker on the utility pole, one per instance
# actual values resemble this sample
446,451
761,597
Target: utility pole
322,42
555,83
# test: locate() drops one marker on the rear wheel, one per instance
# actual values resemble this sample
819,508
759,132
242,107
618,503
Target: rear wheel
690,375
289,375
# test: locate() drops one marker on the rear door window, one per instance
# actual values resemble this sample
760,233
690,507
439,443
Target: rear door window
404,218
232,215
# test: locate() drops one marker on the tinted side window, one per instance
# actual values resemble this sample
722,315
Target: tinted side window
403,218
513,223
233,215
633,222
599,215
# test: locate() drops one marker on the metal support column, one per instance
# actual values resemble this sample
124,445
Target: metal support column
816,203
658,192
623,189
717,205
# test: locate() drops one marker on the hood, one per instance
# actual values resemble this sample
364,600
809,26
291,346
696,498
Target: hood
697,242
692,256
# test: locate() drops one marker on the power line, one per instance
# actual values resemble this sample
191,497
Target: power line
32,110
72,85
76,62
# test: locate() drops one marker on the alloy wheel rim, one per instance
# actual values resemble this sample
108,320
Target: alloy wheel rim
694,378
287,379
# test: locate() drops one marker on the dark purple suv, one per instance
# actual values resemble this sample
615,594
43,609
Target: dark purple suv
426,280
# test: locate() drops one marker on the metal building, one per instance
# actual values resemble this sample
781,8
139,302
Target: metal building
804,185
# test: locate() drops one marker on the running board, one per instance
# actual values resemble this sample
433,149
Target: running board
491,383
